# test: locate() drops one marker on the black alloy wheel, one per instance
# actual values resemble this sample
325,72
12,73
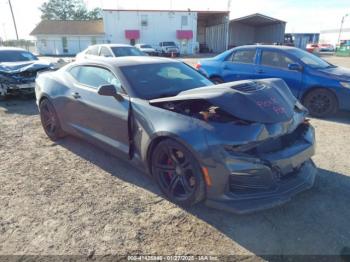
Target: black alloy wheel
321,102
178,173
49,120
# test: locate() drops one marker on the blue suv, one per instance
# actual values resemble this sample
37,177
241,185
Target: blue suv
322,87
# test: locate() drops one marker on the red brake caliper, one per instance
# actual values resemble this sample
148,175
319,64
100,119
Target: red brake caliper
169,174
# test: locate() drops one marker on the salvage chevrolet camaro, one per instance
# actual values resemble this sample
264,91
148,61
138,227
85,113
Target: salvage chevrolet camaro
18,69
239,146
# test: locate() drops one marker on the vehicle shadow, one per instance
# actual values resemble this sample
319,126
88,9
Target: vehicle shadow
25,106
314,222
342,117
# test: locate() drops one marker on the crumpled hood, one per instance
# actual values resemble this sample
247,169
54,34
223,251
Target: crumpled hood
262,101
337,73
18,67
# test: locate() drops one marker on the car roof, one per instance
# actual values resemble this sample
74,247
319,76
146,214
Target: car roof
127,61
280,47
112,45
10,48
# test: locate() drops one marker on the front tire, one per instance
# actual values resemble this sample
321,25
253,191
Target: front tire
50,121
321,102
177,173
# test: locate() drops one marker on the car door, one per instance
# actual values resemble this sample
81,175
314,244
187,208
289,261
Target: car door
240,65
275,63
101,119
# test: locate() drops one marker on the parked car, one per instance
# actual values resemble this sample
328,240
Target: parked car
109,50
322,87
242,146
18,69
312,48
168,49
148,49
326,48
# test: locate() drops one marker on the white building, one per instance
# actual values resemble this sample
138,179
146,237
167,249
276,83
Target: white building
331,36
188,29
67,37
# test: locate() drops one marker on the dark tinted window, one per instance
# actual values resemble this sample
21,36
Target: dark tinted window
275,59
127,51
94,76
146,46
16,56
161,80
169,44
244,56
105,52
92,50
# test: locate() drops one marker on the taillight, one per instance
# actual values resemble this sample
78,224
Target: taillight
198,65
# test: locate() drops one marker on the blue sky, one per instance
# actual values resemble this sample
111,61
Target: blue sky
301,15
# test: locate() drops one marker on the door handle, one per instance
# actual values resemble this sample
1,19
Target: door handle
76,95
260,71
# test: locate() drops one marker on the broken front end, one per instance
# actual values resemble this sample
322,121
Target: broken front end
19,78
259,142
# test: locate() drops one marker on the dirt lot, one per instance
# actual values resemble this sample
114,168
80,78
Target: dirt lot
72,198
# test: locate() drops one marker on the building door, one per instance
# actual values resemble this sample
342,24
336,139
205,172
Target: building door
132,42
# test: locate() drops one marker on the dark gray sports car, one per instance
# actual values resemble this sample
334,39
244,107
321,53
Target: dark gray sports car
239,146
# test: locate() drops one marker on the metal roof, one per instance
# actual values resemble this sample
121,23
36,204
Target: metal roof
69,27
257,19
156,10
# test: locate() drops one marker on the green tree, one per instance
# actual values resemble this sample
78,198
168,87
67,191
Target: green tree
68,10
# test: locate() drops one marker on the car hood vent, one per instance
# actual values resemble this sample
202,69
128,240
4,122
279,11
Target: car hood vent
249,87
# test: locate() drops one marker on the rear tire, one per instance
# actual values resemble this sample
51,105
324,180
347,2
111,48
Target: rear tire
216,80
50,121
321,102
177,173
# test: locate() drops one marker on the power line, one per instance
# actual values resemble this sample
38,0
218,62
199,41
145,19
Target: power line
13,18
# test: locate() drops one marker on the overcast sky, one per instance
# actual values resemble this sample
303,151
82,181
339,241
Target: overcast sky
301,15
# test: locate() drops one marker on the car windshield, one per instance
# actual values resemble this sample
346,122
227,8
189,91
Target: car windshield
126,51
150,81
146,46
310,59
169,44
16,56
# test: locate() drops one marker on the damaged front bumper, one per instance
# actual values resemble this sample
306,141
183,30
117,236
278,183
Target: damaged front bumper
267,177
12,89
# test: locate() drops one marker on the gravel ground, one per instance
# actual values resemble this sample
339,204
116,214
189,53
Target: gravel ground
72,198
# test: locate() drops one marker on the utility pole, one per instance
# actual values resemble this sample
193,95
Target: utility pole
341,27
13,18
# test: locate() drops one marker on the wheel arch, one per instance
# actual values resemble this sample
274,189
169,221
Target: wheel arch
313,88
161,137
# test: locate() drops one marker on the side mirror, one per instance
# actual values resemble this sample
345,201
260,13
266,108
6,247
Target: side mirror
295,67
109,90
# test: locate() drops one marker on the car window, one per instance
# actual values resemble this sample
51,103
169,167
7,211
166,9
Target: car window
275,59
164,79
105,52
310,59
244,56
92,50
126,51
94,76
16,56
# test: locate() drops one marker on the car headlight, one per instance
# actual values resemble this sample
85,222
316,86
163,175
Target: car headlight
345,84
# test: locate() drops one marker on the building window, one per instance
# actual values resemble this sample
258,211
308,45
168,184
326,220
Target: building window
43,42
144,20
64,44
184,20
93,40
